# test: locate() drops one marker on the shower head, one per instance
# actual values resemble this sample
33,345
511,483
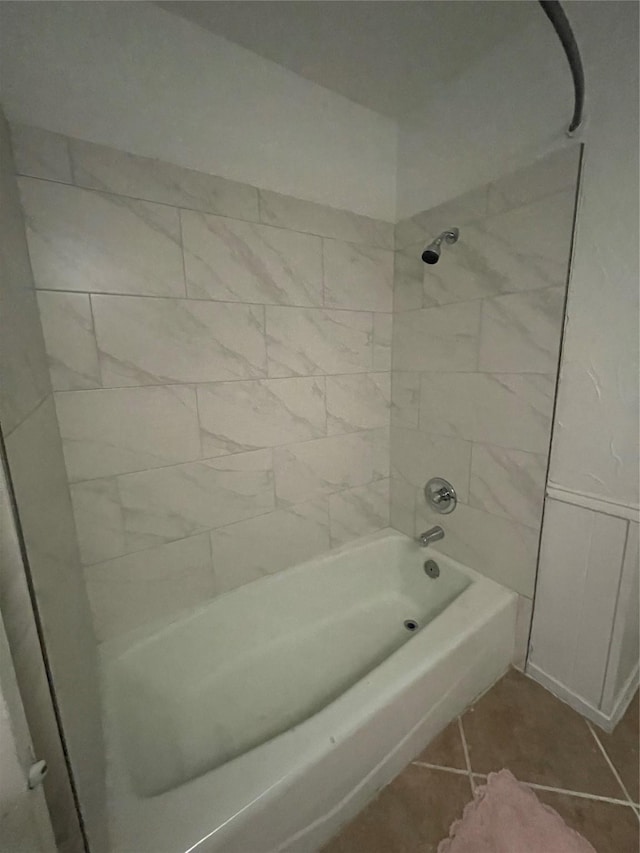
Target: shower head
431,254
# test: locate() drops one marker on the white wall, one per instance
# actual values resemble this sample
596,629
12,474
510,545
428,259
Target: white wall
135,77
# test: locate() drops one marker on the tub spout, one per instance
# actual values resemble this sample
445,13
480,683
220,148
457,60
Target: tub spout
431,535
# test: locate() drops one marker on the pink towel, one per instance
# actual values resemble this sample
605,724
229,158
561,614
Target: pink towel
505,816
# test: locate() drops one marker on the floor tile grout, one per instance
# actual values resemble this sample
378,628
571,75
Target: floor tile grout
610,763
579,794
534,785
467,759
427,766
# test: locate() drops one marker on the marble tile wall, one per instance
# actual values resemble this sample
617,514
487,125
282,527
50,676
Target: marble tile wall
475,354
33,463
220,358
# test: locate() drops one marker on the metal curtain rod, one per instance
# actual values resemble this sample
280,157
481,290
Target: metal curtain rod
554,11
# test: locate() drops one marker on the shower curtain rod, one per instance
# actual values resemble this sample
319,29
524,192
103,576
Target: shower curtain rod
554,11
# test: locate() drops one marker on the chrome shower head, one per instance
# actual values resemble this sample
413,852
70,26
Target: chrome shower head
431,254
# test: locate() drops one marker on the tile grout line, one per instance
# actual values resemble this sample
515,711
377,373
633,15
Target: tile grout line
533,785
428,766
467,759
182,257
610,763
105,191
583,795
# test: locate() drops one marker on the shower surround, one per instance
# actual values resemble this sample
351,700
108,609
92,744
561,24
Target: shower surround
476,342
221,363
220,358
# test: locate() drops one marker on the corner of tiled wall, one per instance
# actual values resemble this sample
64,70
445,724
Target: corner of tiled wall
475,355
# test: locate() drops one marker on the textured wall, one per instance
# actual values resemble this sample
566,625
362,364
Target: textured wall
36,466
475,352
221,365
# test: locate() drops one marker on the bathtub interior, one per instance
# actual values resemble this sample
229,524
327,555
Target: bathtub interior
195,694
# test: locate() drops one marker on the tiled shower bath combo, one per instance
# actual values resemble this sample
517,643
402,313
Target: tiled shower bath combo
210,385
251,391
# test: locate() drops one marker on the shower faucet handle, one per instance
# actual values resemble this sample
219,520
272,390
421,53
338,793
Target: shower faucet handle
440,495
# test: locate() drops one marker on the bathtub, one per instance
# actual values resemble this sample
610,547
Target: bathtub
267,718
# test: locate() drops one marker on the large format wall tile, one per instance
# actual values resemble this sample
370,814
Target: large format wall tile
428,224
298,215
315,468
42,496
247,550
358,512
551,174
408,272
36,467
130,591
470,270
508,483
405,399
103,168
25,384
435,339
307,341
117,430
358,401
160,341
498,548
523,249
402,505
484,424
41,154
358,277
382,339
521,332
417,457
242,262
236,416
168,403
67,324
99,520
170,503
533,242
508,410
25,380
88,241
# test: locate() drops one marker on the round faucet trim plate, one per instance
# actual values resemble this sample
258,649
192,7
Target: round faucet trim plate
440,495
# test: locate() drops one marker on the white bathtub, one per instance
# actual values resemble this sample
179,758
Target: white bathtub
267,718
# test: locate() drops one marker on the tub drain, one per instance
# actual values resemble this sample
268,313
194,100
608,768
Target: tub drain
411,624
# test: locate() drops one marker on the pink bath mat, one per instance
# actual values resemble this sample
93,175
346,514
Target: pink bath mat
506,817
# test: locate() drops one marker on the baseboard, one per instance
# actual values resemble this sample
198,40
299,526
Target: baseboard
625,696
606,721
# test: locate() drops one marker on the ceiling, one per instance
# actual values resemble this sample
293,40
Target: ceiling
387,56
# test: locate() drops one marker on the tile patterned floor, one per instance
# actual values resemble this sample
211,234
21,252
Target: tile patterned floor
588,777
